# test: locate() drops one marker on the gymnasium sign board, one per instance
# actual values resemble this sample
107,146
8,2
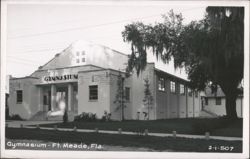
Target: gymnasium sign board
60,78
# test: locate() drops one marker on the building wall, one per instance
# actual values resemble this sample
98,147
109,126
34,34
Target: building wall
190,106
220,110
183,104
173,104
197,105
29,106
239,107
115,108
137,93
93,54
87,79
107,90
162,99
40,74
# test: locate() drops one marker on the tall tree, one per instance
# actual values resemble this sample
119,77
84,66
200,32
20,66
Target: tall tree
120,96
148,98
211,50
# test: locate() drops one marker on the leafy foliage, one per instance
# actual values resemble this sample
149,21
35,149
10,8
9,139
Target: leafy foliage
14,117
85,117
148,98
106,116
211,50
120,95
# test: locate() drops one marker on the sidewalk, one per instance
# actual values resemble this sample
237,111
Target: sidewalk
27,124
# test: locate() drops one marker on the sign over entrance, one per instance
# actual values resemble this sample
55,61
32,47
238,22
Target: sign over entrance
68,77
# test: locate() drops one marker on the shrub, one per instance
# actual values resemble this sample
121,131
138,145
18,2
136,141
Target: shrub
85,117
14,117
106,116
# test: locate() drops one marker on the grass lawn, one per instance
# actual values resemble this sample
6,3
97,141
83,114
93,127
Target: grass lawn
156,143
218,127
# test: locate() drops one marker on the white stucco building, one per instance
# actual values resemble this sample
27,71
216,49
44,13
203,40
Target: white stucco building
215,103
83,78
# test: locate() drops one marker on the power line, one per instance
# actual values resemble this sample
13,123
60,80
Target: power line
45,48
41,45
18,58
22,62
33,51
86,27
66,30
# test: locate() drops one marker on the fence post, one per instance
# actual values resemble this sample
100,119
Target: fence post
207,135
37,126
174,134
146,132
75,128
119,131
21,125
55,127
96,130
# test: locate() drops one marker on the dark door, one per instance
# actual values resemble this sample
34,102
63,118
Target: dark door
49,100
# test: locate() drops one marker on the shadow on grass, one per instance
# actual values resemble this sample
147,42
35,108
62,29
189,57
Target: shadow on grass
156,143
216,126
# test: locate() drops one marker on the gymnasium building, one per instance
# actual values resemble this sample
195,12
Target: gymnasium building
83,78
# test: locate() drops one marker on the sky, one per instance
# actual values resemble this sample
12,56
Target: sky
36,32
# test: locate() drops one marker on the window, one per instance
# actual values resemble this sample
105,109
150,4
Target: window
93,92
83,59
77,53
218,101
182,89
83,52
77,60
189,92
127,93
19,96
206,101
196,94
172,86
161,84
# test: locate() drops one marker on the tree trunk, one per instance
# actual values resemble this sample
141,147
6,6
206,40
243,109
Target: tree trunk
231,105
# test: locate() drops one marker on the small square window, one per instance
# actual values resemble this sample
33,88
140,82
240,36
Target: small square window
218,101
77,53
172,86
19,96
93,92
83,52
182,89
77,61
161,84
83,59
